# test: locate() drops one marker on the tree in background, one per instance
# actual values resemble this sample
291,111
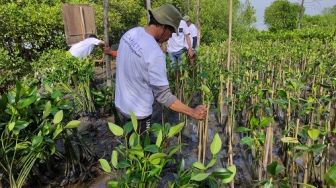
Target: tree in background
214,17
282,15
123,15
326,19
28,28
330,11
245,19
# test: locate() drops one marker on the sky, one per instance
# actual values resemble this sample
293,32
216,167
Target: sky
312,7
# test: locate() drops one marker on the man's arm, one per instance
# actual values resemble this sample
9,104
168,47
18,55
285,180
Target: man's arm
164,96
198,113
190,51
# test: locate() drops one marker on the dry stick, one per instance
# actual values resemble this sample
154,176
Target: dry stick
326,162
307,156
179,139
201,137
293,162
268,148
231,126
289,111
221,103
107,58
205,135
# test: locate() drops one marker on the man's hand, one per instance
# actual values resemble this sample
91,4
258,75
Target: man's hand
190,53
199,112
107,50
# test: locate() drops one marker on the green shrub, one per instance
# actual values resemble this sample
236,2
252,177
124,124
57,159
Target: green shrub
59,66
12,68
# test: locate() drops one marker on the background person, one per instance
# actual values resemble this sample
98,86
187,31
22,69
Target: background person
84,48
193,32
179,43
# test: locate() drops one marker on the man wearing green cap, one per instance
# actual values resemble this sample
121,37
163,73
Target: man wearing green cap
141,73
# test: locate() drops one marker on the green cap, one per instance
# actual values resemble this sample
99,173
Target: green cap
167,14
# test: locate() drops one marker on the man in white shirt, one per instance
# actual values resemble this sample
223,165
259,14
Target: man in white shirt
141,75
193,36
84,48
179,43
193,32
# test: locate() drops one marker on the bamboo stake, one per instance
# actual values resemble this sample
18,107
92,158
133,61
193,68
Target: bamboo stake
106,40
205,136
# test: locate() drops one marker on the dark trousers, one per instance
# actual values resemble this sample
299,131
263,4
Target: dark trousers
143,124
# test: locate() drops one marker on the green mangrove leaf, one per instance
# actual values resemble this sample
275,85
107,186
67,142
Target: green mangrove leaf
198,165
47,88
72,124
222,173
128,127
105,165
156,158
115,129
289,140
182,165
159,139
20,124
154,172
57,131
247,141
10,126
37,140
199,176
233,171
334,131
254,122
282,94
55,94
47,110
137,150
114,159
205,89
134,122
242,129
174,149
22,145
268,184
274,168
302,147
58,117
317,148
216,144
175,129
112,184
26,102
18,91
151,148
132,139
123,164
314,133
211,163
265,121
330,176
